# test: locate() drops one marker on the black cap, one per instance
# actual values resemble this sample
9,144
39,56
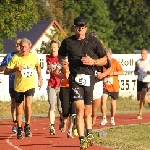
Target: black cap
80,21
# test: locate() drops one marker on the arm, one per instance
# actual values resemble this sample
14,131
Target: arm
57,73
11,67
101,55
4,63
38,69
136,69
62,51
8,71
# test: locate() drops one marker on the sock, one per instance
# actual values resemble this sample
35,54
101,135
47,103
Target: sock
19,128
52,117
15,121
104,117
112,118
89,131
26,125
81,137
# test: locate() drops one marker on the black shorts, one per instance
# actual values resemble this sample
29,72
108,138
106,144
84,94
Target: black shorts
66,104
19,96
141,85
80,92
114,95
12,92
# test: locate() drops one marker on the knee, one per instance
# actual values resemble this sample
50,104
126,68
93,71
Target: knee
51,108
80,112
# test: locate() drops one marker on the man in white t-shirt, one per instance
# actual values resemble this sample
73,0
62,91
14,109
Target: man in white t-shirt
142,69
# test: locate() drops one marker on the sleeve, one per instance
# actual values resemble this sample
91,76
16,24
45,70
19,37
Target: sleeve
100,50
5,60
108,65
59,66
62,50
118,66
12,63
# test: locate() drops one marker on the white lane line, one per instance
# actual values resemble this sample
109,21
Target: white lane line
9,143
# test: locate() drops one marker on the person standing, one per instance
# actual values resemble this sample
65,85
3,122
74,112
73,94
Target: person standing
53,86
84,53
111,88
3,66
23,65
142,70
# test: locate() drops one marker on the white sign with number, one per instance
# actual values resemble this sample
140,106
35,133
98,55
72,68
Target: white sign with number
128,85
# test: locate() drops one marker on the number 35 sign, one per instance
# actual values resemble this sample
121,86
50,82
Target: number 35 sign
128,84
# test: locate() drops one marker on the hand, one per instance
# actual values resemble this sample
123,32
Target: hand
148,72
100,75
19,68
40,82
67,74
136,73
87,60
48,71
64,62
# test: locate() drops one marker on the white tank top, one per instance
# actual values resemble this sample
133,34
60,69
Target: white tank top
143,67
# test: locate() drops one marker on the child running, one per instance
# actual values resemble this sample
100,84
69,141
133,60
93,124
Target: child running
53,85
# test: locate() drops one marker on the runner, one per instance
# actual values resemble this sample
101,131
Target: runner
142,69
4,63
111,88
84,53
53,85
68,110
98,86
23,65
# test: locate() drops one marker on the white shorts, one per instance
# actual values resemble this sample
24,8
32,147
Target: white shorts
98,90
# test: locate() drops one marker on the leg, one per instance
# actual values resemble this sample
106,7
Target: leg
142,102
64,97
96,103
28,111
13,109
51,113
114,97
104,108
19,98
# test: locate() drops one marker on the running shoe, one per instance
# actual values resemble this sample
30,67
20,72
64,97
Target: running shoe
27,131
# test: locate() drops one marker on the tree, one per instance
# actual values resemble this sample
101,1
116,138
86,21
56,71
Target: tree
97,13
132,29
16,15
56,34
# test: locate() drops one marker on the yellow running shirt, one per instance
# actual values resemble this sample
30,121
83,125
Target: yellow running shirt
25,79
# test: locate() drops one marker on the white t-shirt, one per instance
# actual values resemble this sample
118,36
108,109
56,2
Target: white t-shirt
143,67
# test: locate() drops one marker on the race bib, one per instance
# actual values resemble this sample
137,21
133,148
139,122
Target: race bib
83,79
27,72
108,81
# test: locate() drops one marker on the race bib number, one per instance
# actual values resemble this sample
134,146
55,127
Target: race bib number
27,72
108,81
83,79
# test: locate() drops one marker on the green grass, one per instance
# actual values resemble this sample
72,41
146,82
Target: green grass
42,106
131,137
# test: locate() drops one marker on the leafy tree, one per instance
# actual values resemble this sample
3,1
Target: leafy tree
56,34
132,29
97,13
16,15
